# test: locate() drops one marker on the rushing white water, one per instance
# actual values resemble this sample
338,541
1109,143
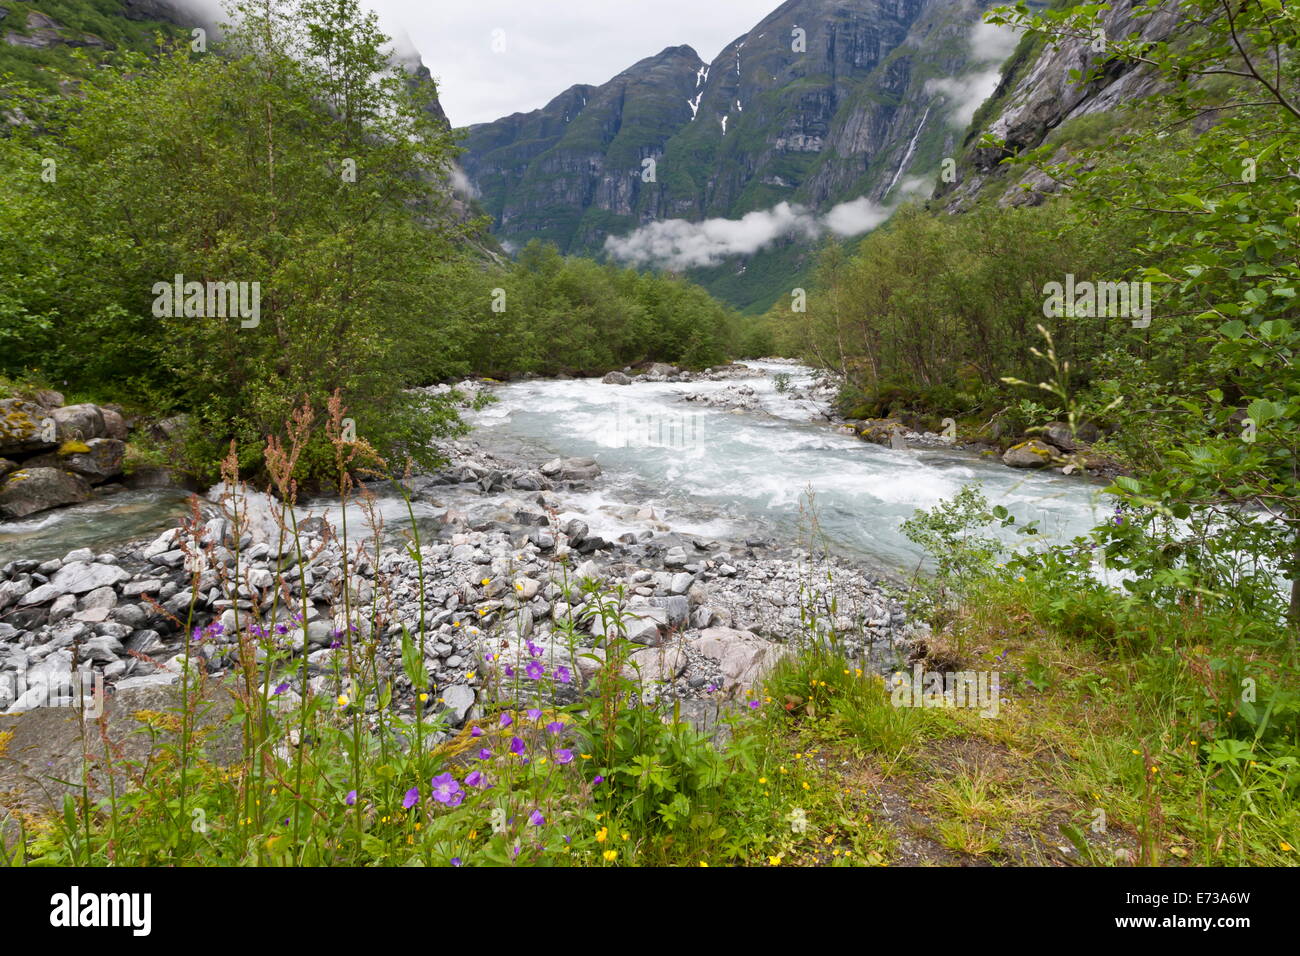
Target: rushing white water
668,463
748,474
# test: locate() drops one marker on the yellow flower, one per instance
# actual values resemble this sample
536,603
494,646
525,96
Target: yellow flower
1286,847
762,779
343,700
485,582
805,785
704,863
471,675
455,623
424,698
602,834
610,856
627,836
775,860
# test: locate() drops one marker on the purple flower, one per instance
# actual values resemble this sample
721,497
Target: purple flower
455,861
536,818
534,670
599,780
476,731
335,645
281,689
447,790
506,720
485,754
753,705
258,631
562,675
476,779
563,756
517,745
555,727
534,650
282,629
712,688
411,799
510,671
351,798
534,714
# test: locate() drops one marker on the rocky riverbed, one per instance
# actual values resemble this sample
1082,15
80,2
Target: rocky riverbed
507,580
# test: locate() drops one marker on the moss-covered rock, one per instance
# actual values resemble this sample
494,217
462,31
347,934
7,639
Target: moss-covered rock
1029,454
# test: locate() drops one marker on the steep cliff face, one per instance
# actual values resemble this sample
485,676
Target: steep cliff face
822,102
575,169
1036,98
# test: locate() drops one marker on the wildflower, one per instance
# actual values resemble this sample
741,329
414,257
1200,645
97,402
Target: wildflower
485,754
602,834
351,798
599,780
534,714
455,861
476,731
506,720
534,650
282,629
281,689
754,705
536,819
535,670
555,727
424,698
485,582
562,675
471,675
477,780
517,746
411,799
1286,847
446,790
775,860
798,820
564,756
343,701
610,855
704,863
498,820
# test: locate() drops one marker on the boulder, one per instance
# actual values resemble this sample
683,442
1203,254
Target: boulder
617,378
96,460
1060,435
745,657
114,424
30,490
81,577
881,431
79,423
1029,454
25,427
571,469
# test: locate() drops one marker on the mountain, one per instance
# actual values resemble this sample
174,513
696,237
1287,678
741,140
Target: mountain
823,102
1037,102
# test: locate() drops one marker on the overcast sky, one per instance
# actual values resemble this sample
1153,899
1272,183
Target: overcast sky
551,44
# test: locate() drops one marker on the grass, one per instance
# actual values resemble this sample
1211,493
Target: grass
1122,735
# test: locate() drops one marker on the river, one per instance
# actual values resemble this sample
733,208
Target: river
703,470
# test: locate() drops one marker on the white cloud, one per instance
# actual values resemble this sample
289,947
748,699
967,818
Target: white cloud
990,44
679,244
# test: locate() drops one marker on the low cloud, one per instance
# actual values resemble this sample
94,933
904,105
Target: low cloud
990,45
679,244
